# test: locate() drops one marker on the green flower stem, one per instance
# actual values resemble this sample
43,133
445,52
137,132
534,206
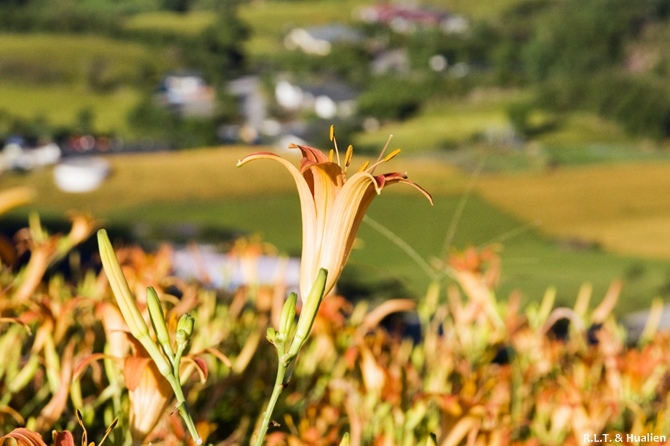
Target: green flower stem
188,420
282,341
177,359
267,417
182,407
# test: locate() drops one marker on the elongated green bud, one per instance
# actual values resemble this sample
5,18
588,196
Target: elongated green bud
345,440
287,321
124,298
158,322
126,302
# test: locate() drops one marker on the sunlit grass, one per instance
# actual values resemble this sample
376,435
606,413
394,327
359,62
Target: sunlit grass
620,206
139,179
583,128
71,58
62,105
441,124
170,22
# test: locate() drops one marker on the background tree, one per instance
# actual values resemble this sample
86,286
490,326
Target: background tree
219,51
180,6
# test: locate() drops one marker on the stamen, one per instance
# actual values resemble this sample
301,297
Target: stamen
392,155
380,158
364,166
388,157
332,138
348,156
330,155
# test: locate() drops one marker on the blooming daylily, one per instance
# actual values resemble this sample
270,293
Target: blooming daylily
332,206
149,394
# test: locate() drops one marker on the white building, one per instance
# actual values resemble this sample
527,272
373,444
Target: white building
319,40
327,100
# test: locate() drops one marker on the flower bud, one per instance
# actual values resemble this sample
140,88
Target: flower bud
287,321
308,313
184,329
158,321
271,335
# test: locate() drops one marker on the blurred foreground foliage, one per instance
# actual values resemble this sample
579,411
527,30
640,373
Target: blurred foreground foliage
456,366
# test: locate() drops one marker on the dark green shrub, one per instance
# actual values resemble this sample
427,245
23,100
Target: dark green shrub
390,98
518,114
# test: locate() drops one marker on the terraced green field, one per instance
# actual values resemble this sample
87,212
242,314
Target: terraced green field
69,59
56,77
268,21
171,22
622,207
60,106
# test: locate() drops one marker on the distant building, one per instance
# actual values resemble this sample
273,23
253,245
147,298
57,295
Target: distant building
327,100
188,94
394,61
17,155
319,40
406,19
252,107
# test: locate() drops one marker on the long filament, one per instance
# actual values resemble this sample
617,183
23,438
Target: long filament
381,155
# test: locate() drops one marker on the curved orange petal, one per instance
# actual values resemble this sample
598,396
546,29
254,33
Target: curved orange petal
344,219
397,177
310,154
327,180
24,437
310,239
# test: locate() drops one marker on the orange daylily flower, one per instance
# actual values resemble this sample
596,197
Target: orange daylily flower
149,393
332,206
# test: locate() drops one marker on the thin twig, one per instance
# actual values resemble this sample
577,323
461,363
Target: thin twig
400,243
456,219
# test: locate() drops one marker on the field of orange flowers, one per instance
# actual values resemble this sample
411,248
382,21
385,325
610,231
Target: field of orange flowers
78,360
